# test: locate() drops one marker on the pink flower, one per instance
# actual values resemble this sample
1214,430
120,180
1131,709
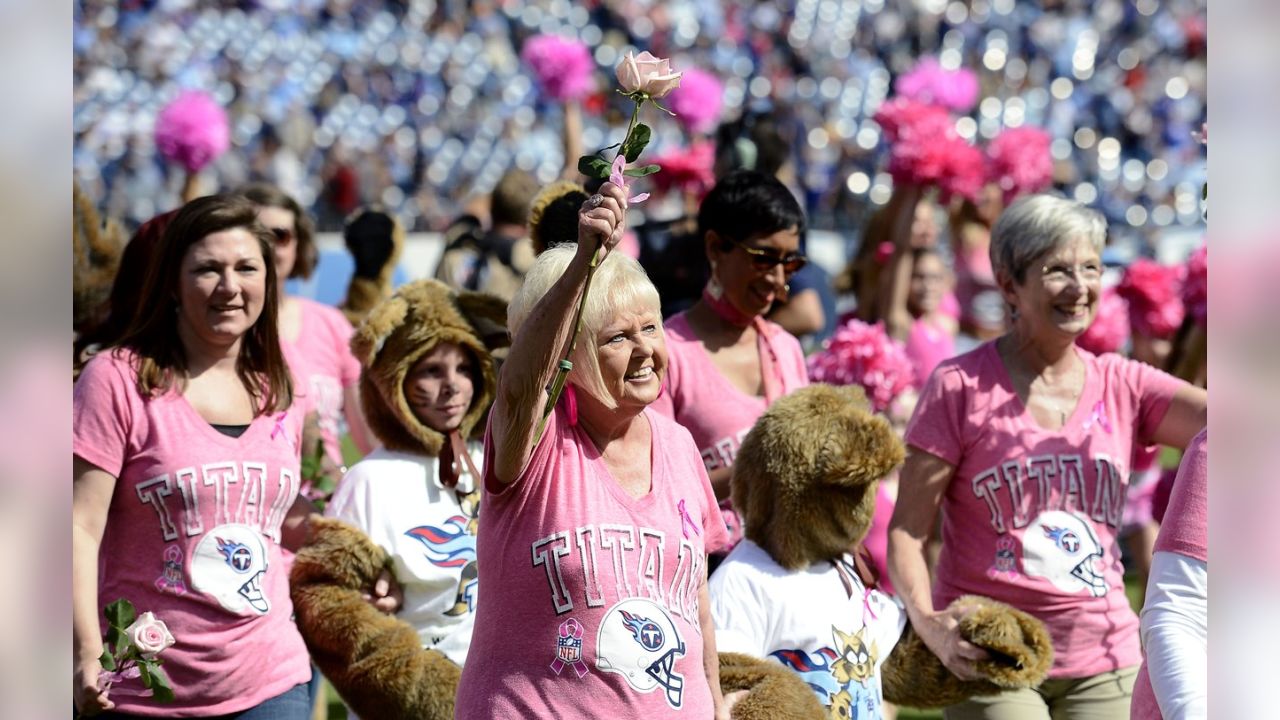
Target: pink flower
1195,287
149,635
646,74
698,100
929,82
562,66
862,354
617,177
690,169
1155,305
1020,161
192,131
1110,328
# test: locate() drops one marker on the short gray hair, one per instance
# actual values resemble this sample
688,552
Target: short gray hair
1035,225
619,284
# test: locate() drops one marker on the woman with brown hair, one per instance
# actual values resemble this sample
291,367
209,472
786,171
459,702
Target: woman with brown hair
186,474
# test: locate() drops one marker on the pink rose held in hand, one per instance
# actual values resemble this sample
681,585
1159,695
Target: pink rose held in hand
646,74
149,635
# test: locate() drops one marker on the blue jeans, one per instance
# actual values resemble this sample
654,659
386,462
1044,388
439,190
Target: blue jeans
292,704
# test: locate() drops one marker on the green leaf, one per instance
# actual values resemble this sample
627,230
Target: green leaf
160,685
594,166
115,639
145,670
641,171
121,614
636,142
108,662
601,151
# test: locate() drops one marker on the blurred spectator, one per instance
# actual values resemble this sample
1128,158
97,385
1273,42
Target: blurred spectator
493,260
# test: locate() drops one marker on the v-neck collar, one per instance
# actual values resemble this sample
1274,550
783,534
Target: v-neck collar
1024,415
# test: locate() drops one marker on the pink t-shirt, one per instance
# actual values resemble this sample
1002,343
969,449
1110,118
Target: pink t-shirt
1031,516
193,534
1186,532
717,414
926,346
596,611
323,367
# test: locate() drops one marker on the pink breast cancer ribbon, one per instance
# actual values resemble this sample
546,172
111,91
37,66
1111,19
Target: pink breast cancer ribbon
569,648
1099,415
686,521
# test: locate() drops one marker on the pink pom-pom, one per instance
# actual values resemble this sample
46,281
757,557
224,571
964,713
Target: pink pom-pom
1153,291
929,82
927,150
192,130
562,66
1195,288
691,169
899,115
698,101
862,354
1110,328
1020,161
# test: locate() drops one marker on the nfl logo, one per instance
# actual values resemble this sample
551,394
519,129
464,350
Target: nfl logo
569,650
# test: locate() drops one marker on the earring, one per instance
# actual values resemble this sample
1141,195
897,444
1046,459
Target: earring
714,288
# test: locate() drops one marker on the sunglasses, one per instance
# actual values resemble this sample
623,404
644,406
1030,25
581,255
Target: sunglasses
766,260
283,235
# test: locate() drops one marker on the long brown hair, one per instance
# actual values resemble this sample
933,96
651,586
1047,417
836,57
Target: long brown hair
152,332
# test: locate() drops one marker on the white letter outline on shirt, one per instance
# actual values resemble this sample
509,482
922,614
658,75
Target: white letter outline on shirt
1043,468
590,569
249,511
626,540
650,563
188,481
985,486
153,492
1071,479
560,599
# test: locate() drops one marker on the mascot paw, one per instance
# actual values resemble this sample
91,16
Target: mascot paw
1020,648
772,691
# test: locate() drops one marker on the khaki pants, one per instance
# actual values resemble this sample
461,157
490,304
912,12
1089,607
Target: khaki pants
1102,697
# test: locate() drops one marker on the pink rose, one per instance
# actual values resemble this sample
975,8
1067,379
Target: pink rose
647,74
149,635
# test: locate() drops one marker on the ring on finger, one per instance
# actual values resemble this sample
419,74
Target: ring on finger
595,201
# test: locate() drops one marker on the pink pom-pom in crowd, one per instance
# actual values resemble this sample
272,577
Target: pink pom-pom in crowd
929,82
1110,328
1020,161
691,169
1154,294
562,66
863,354
192,131
1195,288
698,101
927,150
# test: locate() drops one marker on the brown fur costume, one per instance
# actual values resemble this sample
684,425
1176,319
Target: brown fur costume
805,483
96,249
376,661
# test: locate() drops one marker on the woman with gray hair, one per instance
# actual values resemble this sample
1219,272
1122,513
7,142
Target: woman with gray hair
597,528
1025,444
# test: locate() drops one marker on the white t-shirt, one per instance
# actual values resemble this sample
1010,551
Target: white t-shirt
821,622
430,532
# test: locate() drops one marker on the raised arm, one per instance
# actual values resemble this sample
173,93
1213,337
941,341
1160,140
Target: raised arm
541,341
1187,415
922,484
895,284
